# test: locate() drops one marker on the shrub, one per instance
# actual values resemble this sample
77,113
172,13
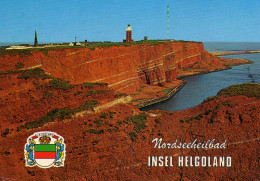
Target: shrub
77,93
103,115
60,114
115,129
207,112
5,133
156,121
139,122
119,122
89,105
91,84
246,89
188,120
132,136
111,114
60,84
210,99
198,117
120,95
19,65
228,103
33,73
47,95
94,92
109,130
95,131
98,122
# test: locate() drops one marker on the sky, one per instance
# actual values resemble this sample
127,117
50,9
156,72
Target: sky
106,20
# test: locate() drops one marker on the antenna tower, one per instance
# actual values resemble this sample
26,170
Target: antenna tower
168,22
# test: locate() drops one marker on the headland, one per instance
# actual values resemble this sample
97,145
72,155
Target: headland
146,70
87,95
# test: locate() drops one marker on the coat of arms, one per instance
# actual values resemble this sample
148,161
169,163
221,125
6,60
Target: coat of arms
45,149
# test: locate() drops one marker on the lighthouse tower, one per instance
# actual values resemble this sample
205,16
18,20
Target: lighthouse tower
128,34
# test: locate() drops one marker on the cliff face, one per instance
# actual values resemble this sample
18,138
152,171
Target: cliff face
26,100
123,68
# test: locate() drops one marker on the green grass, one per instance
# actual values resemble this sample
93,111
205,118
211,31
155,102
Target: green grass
94,92
91,84
27,52
95,131
59,113
139,122
187,69
166,90
104,45
33,73
150,42
14,52
89,105
60,84
246,89
120,95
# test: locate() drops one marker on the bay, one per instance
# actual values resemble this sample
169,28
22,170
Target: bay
200,87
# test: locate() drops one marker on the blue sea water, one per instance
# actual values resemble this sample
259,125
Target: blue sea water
232,46
200,87
11,43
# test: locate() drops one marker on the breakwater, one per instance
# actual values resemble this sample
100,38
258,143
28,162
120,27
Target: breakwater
164,98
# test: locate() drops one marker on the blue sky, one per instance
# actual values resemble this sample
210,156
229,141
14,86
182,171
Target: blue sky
106,20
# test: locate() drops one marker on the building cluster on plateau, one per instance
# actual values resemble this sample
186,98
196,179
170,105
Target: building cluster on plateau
85,43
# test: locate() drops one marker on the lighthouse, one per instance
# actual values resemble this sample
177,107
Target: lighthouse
128,34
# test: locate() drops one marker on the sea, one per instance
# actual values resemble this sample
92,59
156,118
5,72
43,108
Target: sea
199,87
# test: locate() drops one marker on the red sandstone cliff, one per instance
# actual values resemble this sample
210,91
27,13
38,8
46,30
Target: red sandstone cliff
113,153
123,68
